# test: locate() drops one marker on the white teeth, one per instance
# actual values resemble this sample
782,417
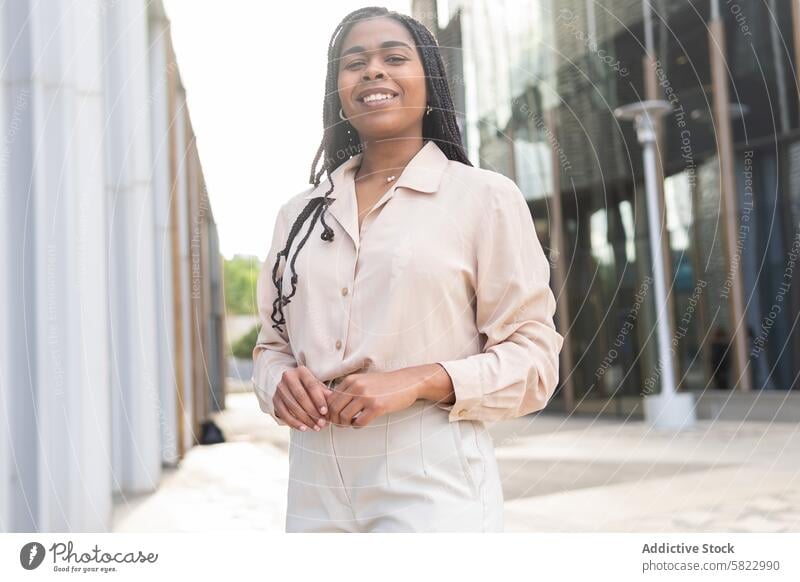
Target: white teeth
377,97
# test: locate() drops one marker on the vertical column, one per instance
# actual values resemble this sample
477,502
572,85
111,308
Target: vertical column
796,41
426,12
61,421
184,292
730,222
6,333
91,494
51,190
135,396
175,143
196,289
217,335
18,368
160,147
179,242
194,296
558,244
204,288
471,117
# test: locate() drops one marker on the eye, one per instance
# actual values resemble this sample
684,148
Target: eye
392,58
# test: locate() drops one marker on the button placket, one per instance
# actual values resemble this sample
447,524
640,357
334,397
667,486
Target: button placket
347,298
345,291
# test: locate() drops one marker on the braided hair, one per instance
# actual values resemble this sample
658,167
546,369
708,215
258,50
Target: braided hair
340,140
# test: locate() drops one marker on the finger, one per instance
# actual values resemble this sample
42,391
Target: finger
286,416
341,399
367,415
284,412
349,411
325,419
296,410
328,395
315,388
299,392
333,397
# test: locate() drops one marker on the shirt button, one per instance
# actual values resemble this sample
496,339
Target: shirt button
338,344
462,412
344,290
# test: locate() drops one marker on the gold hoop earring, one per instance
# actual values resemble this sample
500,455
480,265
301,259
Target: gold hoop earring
341,115
428,110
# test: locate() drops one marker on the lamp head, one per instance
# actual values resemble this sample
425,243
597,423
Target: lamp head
643,114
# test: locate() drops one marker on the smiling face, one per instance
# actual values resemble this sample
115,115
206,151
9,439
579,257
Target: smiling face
381,80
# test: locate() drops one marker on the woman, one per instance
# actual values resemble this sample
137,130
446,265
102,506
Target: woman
392,333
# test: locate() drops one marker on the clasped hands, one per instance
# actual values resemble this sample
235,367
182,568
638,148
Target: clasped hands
305,403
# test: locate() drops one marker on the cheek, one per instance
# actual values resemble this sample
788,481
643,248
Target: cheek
345,85
414,86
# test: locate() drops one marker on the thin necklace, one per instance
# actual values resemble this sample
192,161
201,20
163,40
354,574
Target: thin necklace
388,180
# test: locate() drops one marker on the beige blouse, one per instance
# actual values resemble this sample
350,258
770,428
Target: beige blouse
446,268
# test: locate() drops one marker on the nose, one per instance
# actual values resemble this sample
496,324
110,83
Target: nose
370,69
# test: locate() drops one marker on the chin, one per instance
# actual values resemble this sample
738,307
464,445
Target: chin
383,128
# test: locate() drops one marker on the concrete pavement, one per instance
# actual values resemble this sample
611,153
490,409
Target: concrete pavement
559,474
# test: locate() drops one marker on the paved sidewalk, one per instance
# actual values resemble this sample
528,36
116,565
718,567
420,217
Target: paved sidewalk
559,474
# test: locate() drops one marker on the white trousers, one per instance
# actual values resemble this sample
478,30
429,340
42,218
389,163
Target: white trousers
408,471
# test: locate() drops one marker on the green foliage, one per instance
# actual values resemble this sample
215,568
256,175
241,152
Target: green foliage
241,273
243,347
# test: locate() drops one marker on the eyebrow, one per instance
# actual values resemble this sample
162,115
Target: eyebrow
386,44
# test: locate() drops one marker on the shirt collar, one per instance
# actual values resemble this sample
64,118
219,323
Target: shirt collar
423,172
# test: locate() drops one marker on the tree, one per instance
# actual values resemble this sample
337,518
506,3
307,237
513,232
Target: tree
241,274
243,347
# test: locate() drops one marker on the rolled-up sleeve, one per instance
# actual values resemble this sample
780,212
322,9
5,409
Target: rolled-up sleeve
517,372
272,354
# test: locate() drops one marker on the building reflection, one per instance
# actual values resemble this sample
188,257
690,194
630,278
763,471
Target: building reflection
536,83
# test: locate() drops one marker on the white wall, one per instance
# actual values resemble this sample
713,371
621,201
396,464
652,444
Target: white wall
137,457
160,150
87,379
55,438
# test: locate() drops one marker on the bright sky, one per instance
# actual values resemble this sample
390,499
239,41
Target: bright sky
254,73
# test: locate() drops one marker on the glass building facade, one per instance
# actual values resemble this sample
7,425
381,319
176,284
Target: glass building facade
536,83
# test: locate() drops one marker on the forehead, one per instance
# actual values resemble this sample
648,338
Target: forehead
371,32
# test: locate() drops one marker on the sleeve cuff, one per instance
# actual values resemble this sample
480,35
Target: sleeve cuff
265,387
467,385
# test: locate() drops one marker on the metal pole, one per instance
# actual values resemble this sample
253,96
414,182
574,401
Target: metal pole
653,91
646,132
669,409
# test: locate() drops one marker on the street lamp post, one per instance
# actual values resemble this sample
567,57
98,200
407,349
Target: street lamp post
668,409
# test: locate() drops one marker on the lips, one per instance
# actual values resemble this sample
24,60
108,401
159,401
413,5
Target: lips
374,91
378,103
371,102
